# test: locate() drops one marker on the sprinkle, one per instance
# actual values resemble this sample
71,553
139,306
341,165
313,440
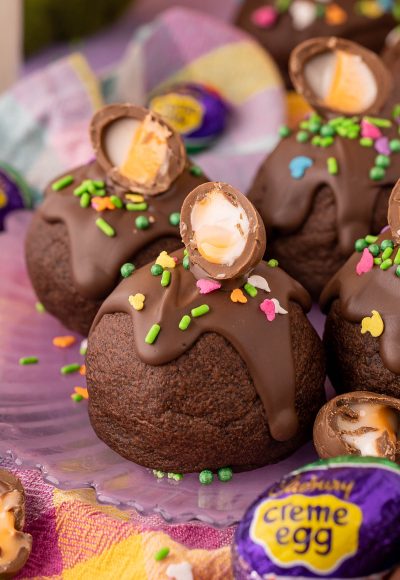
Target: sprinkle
186,262
238,296
366,142
175,476
224,474
85,200
335,15
137,301
299,165
78,191
374,249
398,271
174,218
196,170
382,161
302,137
82,391
184,322
63,182
382,146
397,258
116,201
181,571
366,263
200,310
377,261
259,282
273,263
68,369
360,245
387,244
333,167
250,290
156,270
369,130
284,131
327,131
142,222
83,347
28,360
76,397
158,474
134,197
127,269
102,203
64,341
372,324
161,554
136,206
264,16
386,264
268,307
387,253
278,307
394,145
105,227
206,477
151,336
82,370
165,278
370,239
165,260
98,183
40,307
206,286
379,122
377,173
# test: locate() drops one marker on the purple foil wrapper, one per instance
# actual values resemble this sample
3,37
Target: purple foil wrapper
14,193
337,518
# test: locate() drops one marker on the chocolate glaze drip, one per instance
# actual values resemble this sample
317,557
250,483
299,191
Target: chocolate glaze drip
96,258
284,202
359,295
264,346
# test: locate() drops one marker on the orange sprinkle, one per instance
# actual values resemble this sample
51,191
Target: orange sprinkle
82,370
82,391
102,203
238,296
335,14
64,341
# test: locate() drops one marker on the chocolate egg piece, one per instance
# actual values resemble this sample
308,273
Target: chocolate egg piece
196,111
136,148
222,231
337,76
359,423
394,212
15,545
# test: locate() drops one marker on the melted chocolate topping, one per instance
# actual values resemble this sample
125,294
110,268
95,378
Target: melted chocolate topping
95,258
359,295
264,346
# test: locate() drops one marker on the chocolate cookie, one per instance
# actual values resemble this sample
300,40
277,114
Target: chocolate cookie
327,183
206,359
121,207
280,26
391,58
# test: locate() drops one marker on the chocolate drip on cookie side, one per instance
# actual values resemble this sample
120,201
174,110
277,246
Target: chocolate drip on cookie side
95,257
264,346
358,295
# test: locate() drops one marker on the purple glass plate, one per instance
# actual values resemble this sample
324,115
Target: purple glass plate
41,427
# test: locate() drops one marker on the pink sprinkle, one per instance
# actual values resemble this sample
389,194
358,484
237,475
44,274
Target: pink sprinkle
366,262
264,17
175,258
369,130
382,146
206,286
268,307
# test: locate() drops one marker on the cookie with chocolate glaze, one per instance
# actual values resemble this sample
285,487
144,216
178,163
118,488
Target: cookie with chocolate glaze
15,545
280,26
121,207
206,358
391,58
362,331
328,181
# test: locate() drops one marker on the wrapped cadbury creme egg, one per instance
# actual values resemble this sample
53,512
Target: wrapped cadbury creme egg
195,111
14,192
336,518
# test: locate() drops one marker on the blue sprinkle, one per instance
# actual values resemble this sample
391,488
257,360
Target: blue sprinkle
298,166
386,5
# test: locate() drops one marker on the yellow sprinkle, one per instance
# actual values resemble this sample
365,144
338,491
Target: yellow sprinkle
165,260
82,391
372,324
238,296
134,197
137,301
63,341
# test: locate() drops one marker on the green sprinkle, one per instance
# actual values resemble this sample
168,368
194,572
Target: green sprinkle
387,244
165,278
251,290
158,474
68,369
200,310
186,262
382,161
327,131
377,173
156,270
394,145
316,141
326,141
314,126
386,264
185,321
196,170
63,182
225,473
377,261
105,227
98,183
370,239
116,201
98,192
175,476
374,249
366,142
77,397
40,307
206,477
273,263
379,122
161,554
85,199
127,269
360,245
185,252
397,258
398,271
142,222
302,136
28,360
283,5
387,253
91,187
175,218
80,189
136,206
320,10
151,336
284,131
332,164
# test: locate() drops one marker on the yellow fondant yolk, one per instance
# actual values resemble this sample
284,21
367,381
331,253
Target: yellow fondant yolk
346,90
213,243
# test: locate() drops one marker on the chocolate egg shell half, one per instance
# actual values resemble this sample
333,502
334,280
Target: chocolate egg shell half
15,545
136,148
394,212
222,231
339,77
359,423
